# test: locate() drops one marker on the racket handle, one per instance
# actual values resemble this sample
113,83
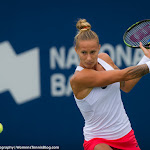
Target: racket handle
147,45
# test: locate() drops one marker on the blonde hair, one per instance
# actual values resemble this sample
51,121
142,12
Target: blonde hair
84,32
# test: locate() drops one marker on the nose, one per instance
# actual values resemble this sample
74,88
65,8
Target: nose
88,57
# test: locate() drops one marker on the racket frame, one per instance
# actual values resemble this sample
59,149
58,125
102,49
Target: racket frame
131,27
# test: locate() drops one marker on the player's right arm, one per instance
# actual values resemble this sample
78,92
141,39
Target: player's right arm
88,78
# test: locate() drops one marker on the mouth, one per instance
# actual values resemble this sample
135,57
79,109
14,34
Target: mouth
89,63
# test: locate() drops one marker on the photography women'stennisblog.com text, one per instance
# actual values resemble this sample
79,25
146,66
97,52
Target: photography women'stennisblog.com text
28,147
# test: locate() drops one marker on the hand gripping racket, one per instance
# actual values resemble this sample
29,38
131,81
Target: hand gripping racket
138,32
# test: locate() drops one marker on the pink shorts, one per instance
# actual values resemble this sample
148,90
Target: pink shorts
128,142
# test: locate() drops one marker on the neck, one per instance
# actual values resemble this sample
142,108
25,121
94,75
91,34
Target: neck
94,67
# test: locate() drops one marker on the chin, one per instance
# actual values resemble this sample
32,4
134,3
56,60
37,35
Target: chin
89,66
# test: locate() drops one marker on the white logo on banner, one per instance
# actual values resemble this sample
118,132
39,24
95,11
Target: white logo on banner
19,74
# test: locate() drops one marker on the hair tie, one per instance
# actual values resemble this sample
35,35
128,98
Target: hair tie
84,27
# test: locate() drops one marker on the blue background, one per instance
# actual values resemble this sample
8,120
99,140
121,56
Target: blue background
57,121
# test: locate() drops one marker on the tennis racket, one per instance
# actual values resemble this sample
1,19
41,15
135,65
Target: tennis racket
138,32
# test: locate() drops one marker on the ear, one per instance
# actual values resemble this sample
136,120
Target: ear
76,49
99,46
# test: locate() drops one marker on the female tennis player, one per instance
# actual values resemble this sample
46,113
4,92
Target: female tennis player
96,85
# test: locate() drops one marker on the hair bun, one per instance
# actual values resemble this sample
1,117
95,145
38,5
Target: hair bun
83,25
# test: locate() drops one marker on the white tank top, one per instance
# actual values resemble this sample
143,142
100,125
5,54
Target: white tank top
103,111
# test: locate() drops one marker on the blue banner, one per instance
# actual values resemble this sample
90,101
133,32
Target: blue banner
37,59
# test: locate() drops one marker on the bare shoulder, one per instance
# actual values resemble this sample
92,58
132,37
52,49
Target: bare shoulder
75,79
82,79
107,58
72,79
81,83
78,75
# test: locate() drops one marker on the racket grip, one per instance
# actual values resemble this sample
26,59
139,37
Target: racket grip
148,64
147,46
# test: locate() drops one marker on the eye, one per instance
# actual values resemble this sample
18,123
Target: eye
92,52
83,52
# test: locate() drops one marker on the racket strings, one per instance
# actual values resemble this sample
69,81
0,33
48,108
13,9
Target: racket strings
139,33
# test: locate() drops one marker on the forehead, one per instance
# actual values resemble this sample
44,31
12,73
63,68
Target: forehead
88,44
